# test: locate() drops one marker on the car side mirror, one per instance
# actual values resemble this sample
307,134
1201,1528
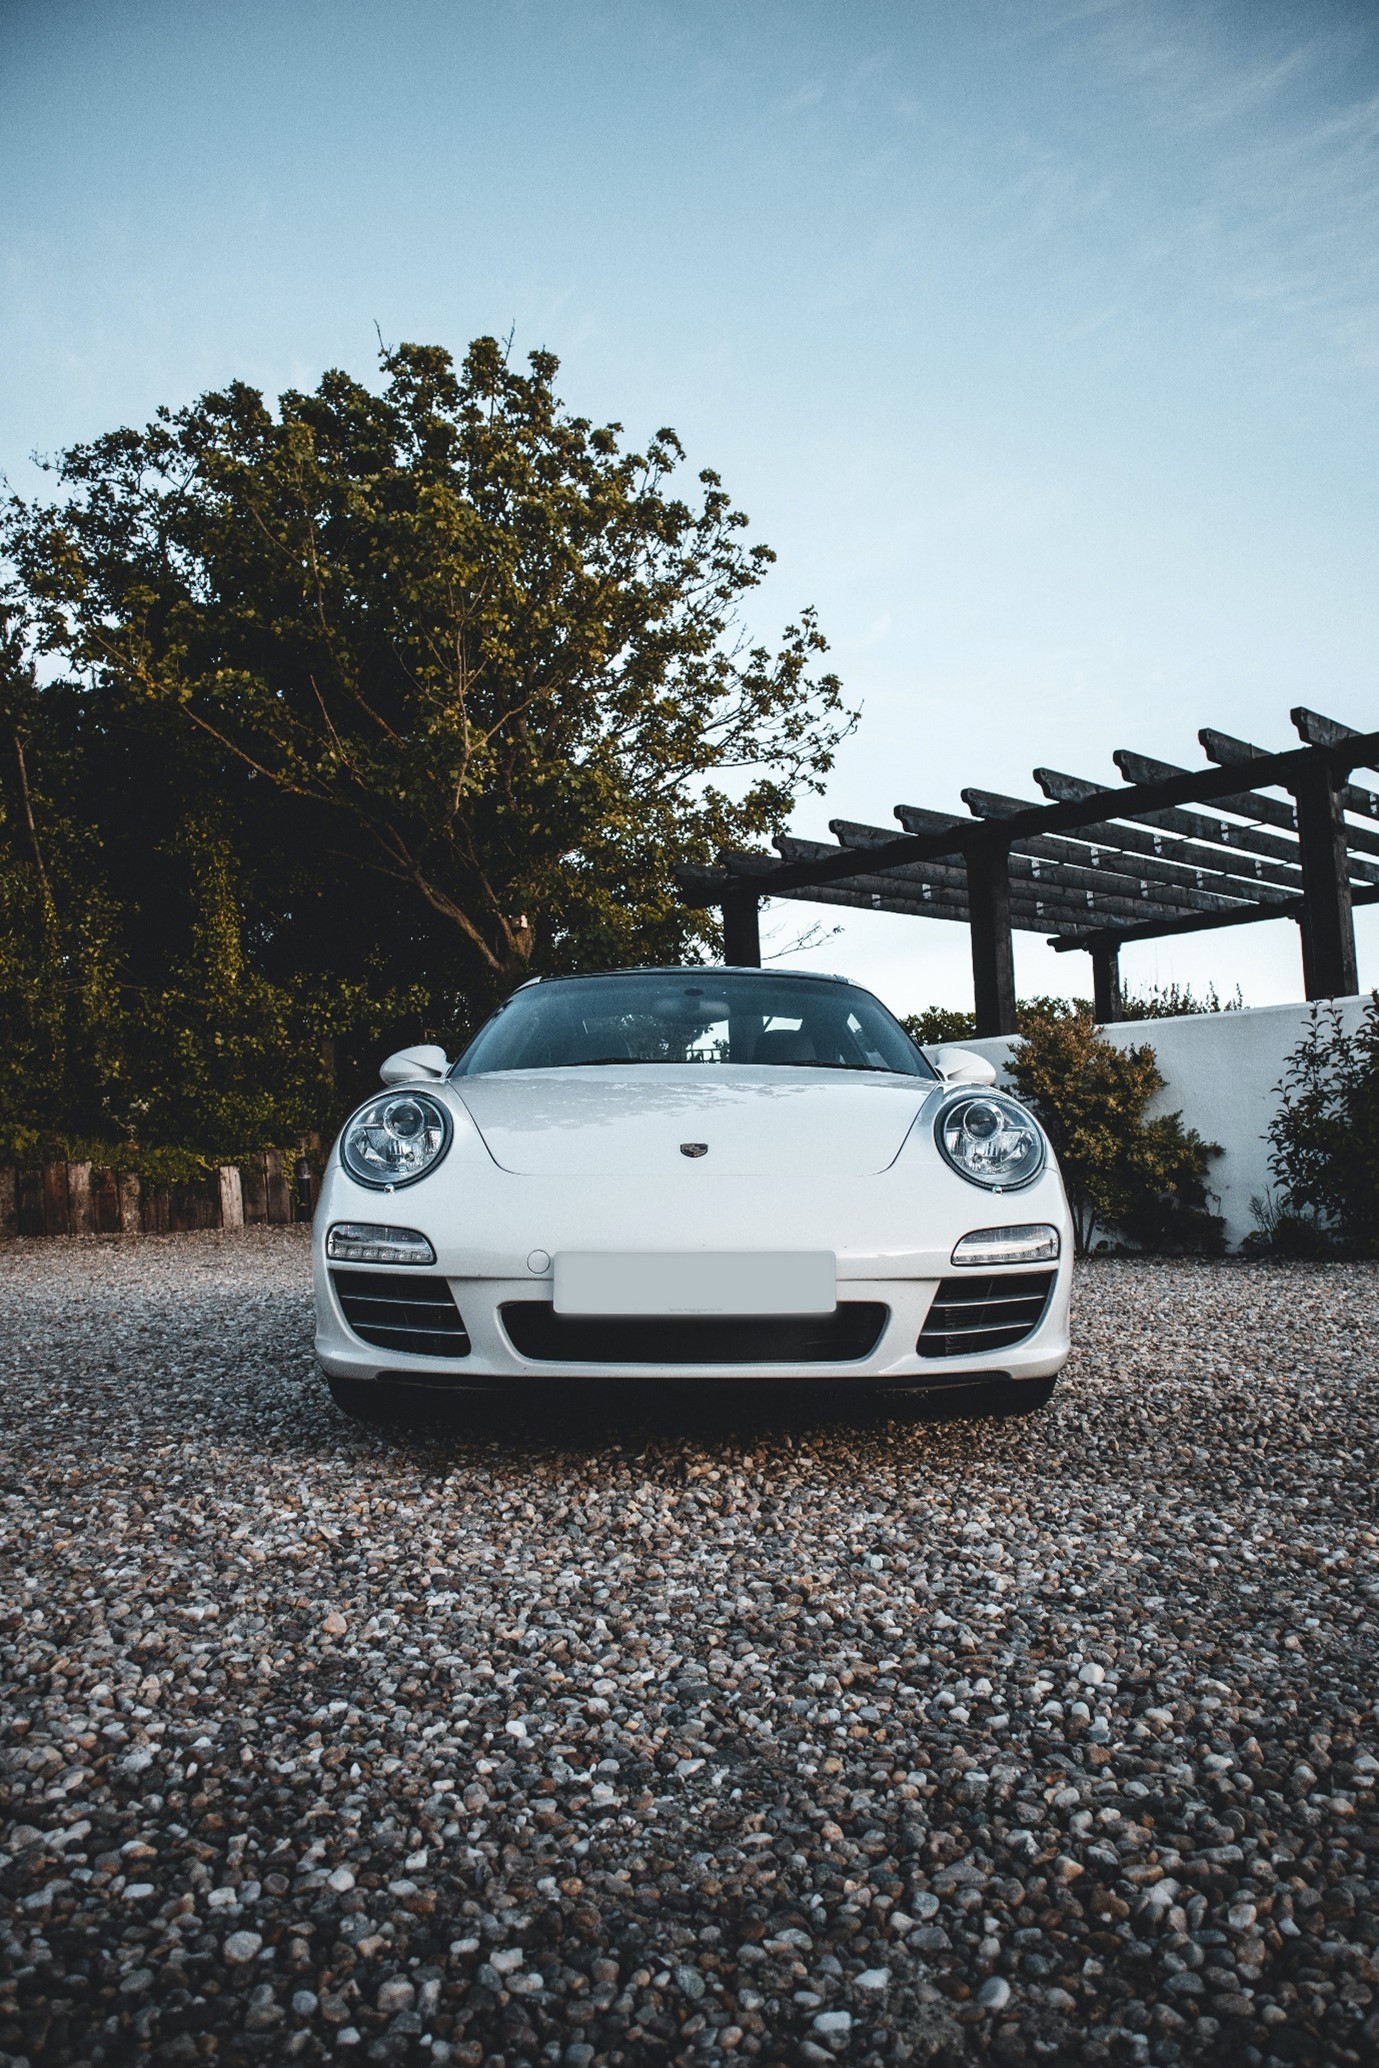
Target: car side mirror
426,1060
961,1066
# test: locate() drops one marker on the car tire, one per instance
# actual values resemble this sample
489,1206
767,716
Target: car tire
1025,1398
363,1400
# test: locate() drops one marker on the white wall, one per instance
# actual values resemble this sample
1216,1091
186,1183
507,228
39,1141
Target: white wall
1220,1070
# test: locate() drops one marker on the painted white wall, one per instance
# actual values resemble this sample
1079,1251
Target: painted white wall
1220,1070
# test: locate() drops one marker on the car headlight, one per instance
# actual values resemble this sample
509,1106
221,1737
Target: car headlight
396,1139
990,1140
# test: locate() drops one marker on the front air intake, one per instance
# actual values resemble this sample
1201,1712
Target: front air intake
971,1316
402,1310
538,1333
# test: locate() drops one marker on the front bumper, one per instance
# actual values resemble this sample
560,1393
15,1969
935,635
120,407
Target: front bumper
494,1232
494,1361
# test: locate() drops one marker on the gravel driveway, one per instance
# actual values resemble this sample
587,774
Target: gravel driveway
761,1732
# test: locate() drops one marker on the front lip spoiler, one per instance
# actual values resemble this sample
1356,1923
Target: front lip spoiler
686,1377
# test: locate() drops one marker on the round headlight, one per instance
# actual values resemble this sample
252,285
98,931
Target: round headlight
396,1139
989,1139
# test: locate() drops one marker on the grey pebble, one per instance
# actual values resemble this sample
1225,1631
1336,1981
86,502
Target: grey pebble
550,1725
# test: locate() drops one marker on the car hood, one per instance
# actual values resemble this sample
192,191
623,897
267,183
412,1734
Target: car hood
611,1121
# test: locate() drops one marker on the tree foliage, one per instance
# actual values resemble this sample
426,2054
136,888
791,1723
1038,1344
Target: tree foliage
1324,1139
1125,1172
348,716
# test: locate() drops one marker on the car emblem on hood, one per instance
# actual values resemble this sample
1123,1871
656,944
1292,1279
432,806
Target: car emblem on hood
694,1148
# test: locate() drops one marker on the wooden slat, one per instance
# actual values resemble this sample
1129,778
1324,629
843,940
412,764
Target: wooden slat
1043,863
55,1208
9,1200
1068,864
29,1203
278,1189
1194,922
231,1196
81,1207
254,1179
1034,899
1229,752
1249,804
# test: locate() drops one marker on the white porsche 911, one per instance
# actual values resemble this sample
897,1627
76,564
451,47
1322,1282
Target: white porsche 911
691,1172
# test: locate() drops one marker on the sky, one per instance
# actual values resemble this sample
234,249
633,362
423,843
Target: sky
1038,337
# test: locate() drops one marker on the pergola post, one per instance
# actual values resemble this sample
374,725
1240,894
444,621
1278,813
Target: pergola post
1106,982
993,951
1329,966
741,930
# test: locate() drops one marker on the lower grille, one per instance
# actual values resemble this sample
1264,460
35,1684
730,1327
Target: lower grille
853,1330
402,1310
971,1316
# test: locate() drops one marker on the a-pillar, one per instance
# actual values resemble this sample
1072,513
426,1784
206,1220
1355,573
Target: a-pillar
1328,934
742,930
993,950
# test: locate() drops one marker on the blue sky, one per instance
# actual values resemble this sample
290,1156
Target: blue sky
1039,339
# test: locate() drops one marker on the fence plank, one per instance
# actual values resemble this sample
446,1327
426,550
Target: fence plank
55,1220
29,1202
255,1180
279,1191
9,1200
105,1200
231,1196
81,1207
131,1191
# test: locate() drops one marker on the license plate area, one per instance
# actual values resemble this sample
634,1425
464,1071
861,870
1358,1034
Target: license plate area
696,1282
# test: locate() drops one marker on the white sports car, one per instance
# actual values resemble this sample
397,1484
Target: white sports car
691,1172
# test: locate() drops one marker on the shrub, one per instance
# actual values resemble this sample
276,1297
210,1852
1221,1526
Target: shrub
1124,1172
940,1023
1324,1141
1172,1001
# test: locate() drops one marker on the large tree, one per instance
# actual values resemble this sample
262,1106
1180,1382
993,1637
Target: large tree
463,646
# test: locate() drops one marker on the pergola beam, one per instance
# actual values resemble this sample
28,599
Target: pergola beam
1110,883
1075,865
1232,753
1195,826
1031,892
1192,786
1087,938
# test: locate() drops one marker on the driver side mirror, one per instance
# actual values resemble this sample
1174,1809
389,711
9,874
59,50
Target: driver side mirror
427,1060
961,1066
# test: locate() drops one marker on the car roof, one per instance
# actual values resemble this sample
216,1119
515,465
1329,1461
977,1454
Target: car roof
687,969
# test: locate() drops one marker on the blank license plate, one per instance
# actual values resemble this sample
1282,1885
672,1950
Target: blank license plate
695,1282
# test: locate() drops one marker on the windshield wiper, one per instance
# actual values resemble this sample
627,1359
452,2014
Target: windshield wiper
588,1062
880,1069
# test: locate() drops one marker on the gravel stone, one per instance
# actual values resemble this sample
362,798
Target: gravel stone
643,1729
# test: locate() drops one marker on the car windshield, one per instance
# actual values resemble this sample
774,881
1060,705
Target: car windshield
697,1016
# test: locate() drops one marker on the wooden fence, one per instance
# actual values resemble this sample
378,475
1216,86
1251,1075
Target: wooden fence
92,1199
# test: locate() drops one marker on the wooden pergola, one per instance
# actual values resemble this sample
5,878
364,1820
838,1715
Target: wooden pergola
1097,867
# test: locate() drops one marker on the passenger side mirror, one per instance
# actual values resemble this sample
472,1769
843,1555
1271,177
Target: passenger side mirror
409,1064
961,1066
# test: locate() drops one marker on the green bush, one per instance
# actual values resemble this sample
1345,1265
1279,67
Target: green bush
1172,1001
1324,1142
1126,1174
